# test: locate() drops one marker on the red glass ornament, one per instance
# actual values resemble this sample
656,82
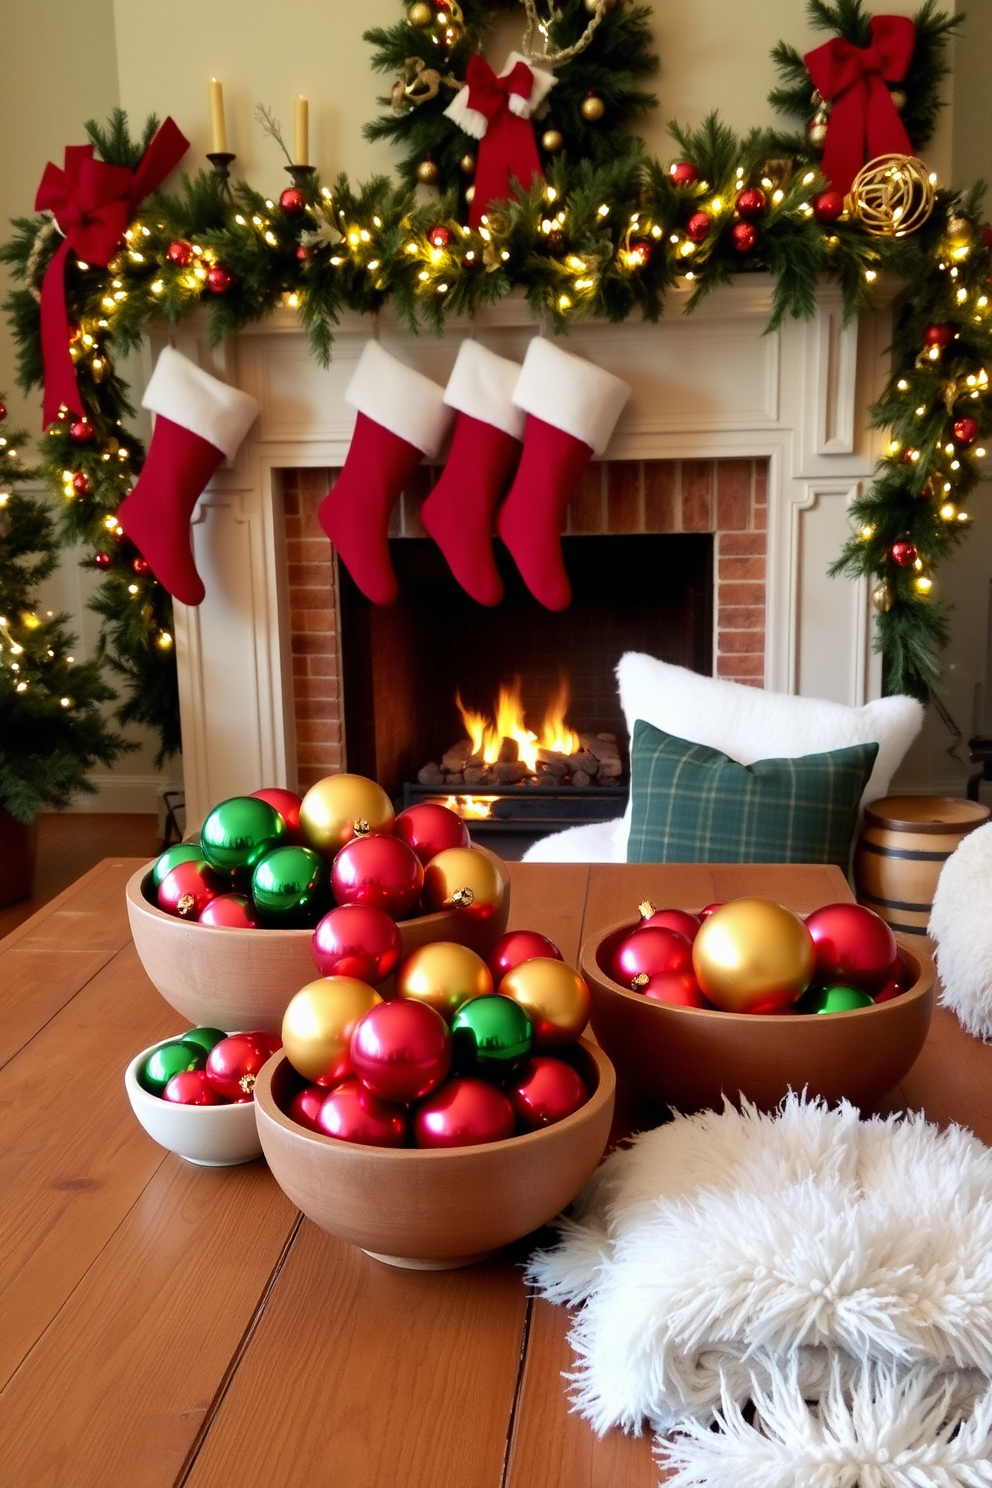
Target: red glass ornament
302,252
683,172
903,553
429,828
219,279
743,237
401,1050
704,914
187,889
102,560
357,940
288,804
81,483
940,335
352,1113
229,912
639,252
516,946
546,1091
305,1104
751,203
192,1088
965,430
699,227
891,989
854,946
676,988
293,201
828,206
986,234
439,236
180,253
380,871
141,565
465,1112
645,953
234,1063
671,919
82,431
3,412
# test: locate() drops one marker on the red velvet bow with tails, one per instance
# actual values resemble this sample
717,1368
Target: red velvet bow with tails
863,121
92,203
507,150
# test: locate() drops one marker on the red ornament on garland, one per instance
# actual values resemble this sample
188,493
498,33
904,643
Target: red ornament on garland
965,430
744,237
940,335
180,253
219,279
439,236
102,560
751,203
683,172
377,870
293,201
81,483
828,206
904,553
82,431
302,252
699,227
986,235
3,412
141,565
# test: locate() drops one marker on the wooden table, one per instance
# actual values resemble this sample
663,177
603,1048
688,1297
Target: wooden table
169,1324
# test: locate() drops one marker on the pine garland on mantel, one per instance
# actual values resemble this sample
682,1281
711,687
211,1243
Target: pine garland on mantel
603,237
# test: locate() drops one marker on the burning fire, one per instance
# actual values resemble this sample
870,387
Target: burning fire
469,808
487,737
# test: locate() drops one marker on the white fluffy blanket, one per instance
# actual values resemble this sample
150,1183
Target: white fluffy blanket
961,924
834,1272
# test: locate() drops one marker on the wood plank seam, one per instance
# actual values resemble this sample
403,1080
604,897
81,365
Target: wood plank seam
62,900
100,971
517,1393
244,1343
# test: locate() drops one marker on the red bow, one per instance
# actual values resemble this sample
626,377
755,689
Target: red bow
507,150
863,122
92,203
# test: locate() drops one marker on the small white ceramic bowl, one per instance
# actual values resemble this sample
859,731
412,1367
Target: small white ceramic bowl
211,1136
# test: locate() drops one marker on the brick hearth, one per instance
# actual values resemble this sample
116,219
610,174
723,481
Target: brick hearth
725,497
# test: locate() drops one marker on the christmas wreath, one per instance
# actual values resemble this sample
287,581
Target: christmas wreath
599,230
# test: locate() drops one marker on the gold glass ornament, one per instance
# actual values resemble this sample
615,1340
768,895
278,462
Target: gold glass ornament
318,1024
428,173
753,956
554,996
420,14
444,975
882,597
341,807
552,141
899,99
466,879
467,165
470,197
592,108
892,195
816,133
958,232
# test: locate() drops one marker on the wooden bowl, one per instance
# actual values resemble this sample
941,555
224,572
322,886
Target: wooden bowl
434,1209
230,978
690,1058
210,1136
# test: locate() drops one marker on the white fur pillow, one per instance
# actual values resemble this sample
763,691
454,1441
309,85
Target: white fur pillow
749,724
961,924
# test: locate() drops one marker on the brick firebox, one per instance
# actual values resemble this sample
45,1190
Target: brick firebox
725,497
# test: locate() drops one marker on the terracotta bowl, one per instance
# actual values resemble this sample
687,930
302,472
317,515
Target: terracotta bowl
211,1136
690,1057
245,978
434,1209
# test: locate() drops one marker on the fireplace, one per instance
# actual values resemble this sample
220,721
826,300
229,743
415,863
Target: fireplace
745,446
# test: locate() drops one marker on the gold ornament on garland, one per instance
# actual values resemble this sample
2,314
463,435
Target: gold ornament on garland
420,14
552,141
467,165
592,108
892,195
882,597
428,172
899,99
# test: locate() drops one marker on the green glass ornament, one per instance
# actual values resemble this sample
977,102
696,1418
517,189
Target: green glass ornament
493,1036
239,832
204,1038
179,852
833,1000
168,1060
290,886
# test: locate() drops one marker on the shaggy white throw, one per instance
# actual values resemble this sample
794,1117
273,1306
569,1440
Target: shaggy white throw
836,1272
961,925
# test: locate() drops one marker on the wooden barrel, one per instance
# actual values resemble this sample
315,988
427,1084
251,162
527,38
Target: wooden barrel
904,843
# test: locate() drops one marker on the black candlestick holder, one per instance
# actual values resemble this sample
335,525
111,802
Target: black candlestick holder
222,160
300,173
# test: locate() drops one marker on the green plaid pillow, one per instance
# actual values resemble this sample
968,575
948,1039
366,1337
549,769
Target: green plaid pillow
692,804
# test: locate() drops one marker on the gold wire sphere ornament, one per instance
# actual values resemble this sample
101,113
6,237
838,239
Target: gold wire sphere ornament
892,195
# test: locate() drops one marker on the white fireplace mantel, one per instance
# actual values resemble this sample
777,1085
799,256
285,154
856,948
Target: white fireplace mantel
710,385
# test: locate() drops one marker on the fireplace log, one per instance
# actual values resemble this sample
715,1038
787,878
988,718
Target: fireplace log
430,775
456,756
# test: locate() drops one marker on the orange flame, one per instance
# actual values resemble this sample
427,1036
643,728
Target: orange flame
487,736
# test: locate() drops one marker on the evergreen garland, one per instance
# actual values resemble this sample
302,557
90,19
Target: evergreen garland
51,729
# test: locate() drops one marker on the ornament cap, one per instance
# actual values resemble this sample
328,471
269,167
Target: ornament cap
646,909
463,898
